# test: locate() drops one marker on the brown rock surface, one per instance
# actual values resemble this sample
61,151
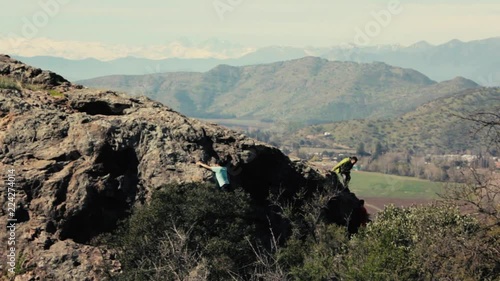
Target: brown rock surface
84,159
31,75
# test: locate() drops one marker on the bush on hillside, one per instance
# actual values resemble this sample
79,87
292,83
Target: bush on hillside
421,243
188,230
195,232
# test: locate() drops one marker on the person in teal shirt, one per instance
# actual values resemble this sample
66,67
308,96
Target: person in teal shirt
220,174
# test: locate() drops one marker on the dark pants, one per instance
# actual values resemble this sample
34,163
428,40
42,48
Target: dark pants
226,187
346,177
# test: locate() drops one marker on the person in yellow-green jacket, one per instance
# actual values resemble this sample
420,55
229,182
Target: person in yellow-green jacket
344,167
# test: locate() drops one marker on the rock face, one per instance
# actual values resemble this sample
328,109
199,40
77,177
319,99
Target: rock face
30,75
83,159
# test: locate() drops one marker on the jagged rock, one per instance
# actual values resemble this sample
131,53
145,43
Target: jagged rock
83,161
30,75
73,258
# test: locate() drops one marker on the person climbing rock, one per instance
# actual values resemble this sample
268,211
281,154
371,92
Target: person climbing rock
220,174
343,168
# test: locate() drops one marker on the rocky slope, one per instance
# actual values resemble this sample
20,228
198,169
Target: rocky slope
84,158
432,128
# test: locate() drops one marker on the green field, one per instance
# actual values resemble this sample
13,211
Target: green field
368,184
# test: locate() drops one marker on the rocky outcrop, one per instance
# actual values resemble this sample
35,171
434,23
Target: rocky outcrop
30,75
83,159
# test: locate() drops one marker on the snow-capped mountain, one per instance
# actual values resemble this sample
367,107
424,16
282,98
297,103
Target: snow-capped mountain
478,60
75,50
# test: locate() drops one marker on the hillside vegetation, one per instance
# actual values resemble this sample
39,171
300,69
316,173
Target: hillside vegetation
199,235
108,189
309,89
432,127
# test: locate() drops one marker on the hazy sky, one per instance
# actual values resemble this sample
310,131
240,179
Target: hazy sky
252,22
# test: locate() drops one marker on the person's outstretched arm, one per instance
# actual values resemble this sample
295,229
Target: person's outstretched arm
201,164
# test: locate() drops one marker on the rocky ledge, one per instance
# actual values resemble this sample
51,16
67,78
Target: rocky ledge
83,158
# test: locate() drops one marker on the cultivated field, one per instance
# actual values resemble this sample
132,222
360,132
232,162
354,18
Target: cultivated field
379,190
389,186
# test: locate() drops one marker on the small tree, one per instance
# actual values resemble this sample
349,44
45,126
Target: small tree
379,150
487,125
360,150
481,193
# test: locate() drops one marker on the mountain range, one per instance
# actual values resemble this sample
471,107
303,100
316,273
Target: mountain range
77,50
310,89
478,60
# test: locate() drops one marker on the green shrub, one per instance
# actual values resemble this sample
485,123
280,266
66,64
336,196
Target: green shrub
9,83
185,230
56,94
420,243
317,254
34,87
195,232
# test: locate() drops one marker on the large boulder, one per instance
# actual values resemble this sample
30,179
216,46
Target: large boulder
84,158
31,75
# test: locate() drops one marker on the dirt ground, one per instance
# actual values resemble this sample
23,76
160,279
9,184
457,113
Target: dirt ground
374,205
